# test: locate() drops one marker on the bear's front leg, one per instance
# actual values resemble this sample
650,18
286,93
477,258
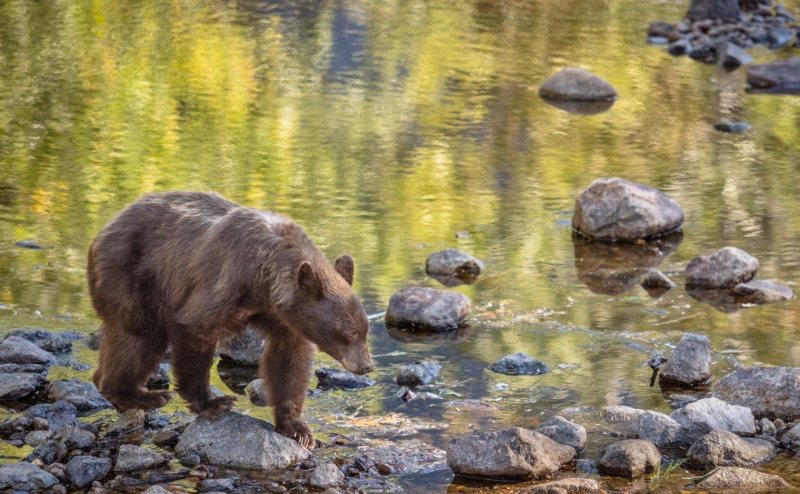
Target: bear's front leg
286,370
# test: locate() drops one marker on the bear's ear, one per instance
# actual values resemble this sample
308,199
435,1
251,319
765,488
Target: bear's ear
308,280
346,266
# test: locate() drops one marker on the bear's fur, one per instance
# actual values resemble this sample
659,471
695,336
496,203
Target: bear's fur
183,269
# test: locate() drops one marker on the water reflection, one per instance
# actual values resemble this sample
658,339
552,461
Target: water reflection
580,107
406,335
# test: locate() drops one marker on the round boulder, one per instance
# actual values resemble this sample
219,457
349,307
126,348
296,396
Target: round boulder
453,262
426,308
629,458
725,449
574,84
690,364
724,268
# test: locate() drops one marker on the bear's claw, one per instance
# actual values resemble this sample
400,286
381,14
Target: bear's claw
216,408
299,431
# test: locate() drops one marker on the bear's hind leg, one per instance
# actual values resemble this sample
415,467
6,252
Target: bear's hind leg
192,366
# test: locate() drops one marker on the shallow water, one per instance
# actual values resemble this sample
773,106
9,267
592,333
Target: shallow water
384,128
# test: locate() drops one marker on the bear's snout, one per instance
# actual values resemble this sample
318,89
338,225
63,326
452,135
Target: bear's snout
365,370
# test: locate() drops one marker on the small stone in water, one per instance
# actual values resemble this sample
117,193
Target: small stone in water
418,374
338,379
732,127
190,461
519,364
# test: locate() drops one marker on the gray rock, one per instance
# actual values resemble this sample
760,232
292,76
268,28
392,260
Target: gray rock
772,392
83,470
767,427
574,84
690,364
190,461
453,262
629,458
792,434
16,386
128,421
326,475
762,292
703,416
678,48
156,489
218,485
734,57
660,29
427,308
37,438
418,374
16,350
137,458
564,432
569,485
74,438
724,268
25,477
732,127
166,437
238,441
778,37
60,414
726,10
48,453
257,392
726,449
58,343
242,349
619,414
160,378
519,364
80,393
35,336
656,279
24,368
657,40
613,209
736,479
661,430
779,75
340,379
512,454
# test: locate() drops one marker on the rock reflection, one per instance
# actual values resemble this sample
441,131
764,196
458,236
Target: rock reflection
236,377
404,335
452,281
580,107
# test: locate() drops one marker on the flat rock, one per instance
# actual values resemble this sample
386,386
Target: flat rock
418,374
519,364
703,416
564,432
16,350
137,458
326,475
613,209
726,449
726,10
732,58
736,479
772,392
128,421
762,292
574,84
690,363
454,263
724,268
40,369
166,438
572,485
25,477
156,489
512,454
82,394
238,441
16,386
660,429
732,127
83,470
74,438
426,308
242,349
629,458
619,414
328,378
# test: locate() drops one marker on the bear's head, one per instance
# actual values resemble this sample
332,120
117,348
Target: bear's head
326,311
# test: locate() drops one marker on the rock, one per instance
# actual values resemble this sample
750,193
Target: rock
657,40
42,370
519,364
83,470
59,343
16,350
190,461
574,84
772,392
74,438
570,485
564,432
512,454
660,29
238,441
678,48
726,449
732,58
619,414
418,374
60,414
690,364
48,453
778,37
41,424
326,475
762,292
220,485
613,209
732,127
25,477
726,10
137,458
738,479
792,434
629,458
160,378
243,349
16,386
156,489
767,427
724,268
708,52
427,308
782,75
661,430
166,438
703,416
340,379
453,263
656,279
128,421
37,438
80,393
256,392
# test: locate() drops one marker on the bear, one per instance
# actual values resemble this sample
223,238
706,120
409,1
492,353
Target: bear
180,270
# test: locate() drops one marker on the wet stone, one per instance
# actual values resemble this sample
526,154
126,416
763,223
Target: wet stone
725,449
255,391
732,127
778,37
782,75
190,461
660,28
656,279
426,308
770,392
519,364
629,458
619,414
326,475
678,48
734,57
573,485
137,458
25,477
574,84
16,350
60,414
660,429
74,438
564,432
703,416
453,262
42,370
725,268
128,421
340,379
37,438
156,489
762,292
418,374
690,364
218,485
83,470
82,394
16,386
242,349
738,479
166,438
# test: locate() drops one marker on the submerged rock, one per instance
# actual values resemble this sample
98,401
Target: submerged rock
512,454
238,441
762,292
724,268
564,432
619,414
137,458
25,477
567,486
242,349
574,84
783,75
16,350
340,379
725,449
83,470
703,416
629,458
613,209
737,479
656,279
771,392
427,308
660,429
519,364
82,394
418,374
217,485
326,475
726,10
16,386
453,263
690,364
732,127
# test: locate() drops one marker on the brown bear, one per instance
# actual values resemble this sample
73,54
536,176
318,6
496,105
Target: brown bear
183,269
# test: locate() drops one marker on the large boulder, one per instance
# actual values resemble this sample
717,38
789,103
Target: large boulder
82,394
620,414
564,432
16,350
511,454
703,416
771,392
574,84
16,386
238,441
736,479
137,458
659,429
613,209
453,263
777,75
690,363
724,268
25,477
726,10
629,458
519,364
426,308
242,349
725,449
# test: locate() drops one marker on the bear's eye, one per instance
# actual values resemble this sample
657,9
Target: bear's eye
351,336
